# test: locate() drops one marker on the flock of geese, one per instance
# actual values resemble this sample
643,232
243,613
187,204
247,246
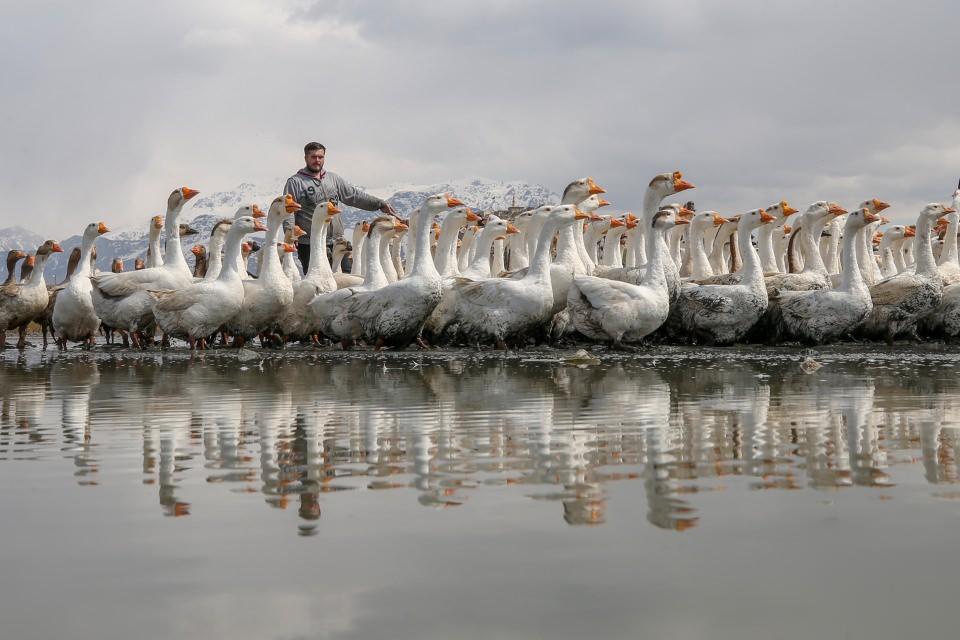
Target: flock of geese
446,276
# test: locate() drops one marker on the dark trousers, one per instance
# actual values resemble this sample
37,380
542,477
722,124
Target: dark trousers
303,251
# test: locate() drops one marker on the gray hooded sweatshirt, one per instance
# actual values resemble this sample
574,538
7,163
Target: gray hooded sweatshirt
309,191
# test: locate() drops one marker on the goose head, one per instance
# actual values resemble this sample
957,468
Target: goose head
198,250
754,218
858,219
250,210
94,230
48,247
566,214
186,230
281,208
593,203
179,197
341,248
581,189
460,215
325,211
221,228
933,211
382,225
873,205
139,264
781,210
440,202
705,220
498,227
664,220
156,224
666,184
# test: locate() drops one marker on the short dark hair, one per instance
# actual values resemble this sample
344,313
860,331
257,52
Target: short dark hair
312,146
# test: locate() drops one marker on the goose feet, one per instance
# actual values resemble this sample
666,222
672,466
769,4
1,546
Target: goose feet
422,344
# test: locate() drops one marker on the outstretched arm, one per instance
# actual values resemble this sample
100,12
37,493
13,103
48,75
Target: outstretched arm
354,197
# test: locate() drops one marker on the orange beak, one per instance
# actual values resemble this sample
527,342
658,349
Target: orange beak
718,220
288,248
365,227
102,228
56,248
870,217
258,212
836,209
157,222
616,222
910,232
512,229
453,202
594,187
196,250
594,217
297,231
399,226
949,210
679,184
290,204
188,192
471,216
632,224
766,217
880,205
682,222
333,209
580,215
246,246
259,226
604,203
787,209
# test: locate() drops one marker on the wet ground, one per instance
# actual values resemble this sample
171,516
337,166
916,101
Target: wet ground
673,493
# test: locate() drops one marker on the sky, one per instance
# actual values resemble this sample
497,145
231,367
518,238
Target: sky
108,105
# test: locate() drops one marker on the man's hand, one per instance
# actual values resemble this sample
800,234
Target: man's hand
386,208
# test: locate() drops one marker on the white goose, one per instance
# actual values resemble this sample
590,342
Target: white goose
494,228
605,309
822,315
814,274
154,248
899,302
702,230
21,302
74,318
297,321
267,297
765,245
446,258
121,299
892,237
502,309
394,314
200,309
722,314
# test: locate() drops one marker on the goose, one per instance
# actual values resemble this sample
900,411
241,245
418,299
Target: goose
518,256
139,264
891,238
722,314
944,319
359,235
13,257
900,301
200,263
287,262
814,274
612,255
341,249
116,266
589,206
781,211
446,257
154,249
45,319
595,230
501,309
947,263
121,299
266,298
494,228
21,302
198,310
247,248
329,309
604,309
781,241
467,246
218,236
822,315
74,318
297,322
721,260
393,237
393,315
701,226
661,186
497,262
869,268
399,241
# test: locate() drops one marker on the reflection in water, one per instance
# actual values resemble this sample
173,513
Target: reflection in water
297,430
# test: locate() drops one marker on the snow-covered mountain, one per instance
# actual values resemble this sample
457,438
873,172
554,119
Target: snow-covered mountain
204,211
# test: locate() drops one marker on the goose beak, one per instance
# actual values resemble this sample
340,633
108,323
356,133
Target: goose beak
333,209
471,216
258,212
594,188
56,248
399,226
679,222
258,226
288,248
246,245
298,232
453,202
365,227
196,250
188,192
604,203
616,222
679,184
157,222
884,220
949,210
835,209
910,232
766,217
594,217
102,228
880,205
290,204
579,215
685,213
870,217
512,229
632,224
787,209
718,220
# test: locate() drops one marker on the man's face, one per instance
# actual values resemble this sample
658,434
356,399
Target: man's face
315,160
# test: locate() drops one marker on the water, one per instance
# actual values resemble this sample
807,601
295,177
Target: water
675,494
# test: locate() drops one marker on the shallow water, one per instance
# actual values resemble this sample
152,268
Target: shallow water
676,493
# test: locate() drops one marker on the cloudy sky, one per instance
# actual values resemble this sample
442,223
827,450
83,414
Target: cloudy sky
108,104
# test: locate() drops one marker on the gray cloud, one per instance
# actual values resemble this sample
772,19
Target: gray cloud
109,105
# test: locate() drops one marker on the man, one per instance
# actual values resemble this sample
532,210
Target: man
312,185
